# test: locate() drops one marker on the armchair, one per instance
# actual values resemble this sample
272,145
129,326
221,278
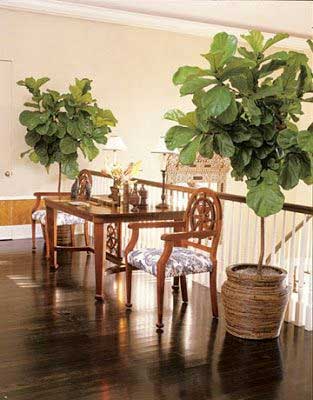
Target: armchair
183,252
39,214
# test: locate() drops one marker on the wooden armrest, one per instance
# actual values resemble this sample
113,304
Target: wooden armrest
40,194
158,224
177,236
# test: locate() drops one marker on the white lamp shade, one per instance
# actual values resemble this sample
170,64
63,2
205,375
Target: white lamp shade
162,149
115,143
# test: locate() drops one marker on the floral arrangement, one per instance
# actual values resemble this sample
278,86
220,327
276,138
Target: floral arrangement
121,175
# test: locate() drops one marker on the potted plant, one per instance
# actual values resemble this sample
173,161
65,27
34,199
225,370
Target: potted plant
60,124
246,108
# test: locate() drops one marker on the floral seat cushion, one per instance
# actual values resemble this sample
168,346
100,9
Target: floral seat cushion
182,261
62,218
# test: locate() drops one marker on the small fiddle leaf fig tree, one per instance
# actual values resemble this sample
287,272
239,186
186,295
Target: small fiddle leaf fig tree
246,106
60,124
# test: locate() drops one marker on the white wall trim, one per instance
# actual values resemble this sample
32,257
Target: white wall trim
101,14
20,197
19,232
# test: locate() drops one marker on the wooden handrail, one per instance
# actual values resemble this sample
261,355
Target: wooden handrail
298,208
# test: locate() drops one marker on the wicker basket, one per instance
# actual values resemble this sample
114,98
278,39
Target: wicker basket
63,235
254,304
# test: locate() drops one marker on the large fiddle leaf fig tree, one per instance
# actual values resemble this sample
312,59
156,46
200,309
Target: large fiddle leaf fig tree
60,124
246,106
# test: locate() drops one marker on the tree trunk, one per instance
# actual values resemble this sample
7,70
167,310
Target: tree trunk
59,179
262,246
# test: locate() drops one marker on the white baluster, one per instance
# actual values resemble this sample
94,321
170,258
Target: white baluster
290,312
231,235
247,237
282,249
255,247
300,306
273,251
239,243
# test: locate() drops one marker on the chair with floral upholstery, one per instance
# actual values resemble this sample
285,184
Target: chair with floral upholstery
38,215
183,252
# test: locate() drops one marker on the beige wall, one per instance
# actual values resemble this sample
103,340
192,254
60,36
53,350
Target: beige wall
131,69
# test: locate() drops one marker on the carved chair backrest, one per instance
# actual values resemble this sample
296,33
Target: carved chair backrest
204,214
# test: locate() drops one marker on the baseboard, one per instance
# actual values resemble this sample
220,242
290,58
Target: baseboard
19,232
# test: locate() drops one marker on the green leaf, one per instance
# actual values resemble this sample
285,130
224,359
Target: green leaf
31,119
230,114
223,145
31,138
178,136
247,54
43,129
243,82
216,100
266,91
61,131
287,138
188,154
189,120
74,129
236,66
310,43
270,67
254,168
89,149
290,173
206,146
222,49
252,111
22,155
174,115
194,84
265,199
256,139
34,157
305,141
279,55
100,135
104,117
70,168
241,158
68,145
277,38
255,39
33,105
185,72
240,135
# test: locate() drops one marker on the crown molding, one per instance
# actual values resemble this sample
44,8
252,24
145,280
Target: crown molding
101,14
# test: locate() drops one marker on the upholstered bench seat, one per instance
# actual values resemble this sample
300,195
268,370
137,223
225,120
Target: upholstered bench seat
182,261
62,218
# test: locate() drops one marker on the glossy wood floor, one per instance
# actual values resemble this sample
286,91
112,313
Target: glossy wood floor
56,344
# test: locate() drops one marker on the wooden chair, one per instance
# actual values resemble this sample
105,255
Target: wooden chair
38,215
202,220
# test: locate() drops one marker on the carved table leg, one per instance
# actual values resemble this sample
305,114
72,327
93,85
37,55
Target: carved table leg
100,252
51,231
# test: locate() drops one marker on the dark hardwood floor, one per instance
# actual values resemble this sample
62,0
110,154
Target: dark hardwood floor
56,344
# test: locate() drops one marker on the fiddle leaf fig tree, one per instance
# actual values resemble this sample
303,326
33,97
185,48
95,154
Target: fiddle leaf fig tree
246,107
58,125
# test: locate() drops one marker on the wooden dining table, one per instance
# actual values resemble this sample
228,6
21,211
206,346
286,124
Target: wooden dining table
100,213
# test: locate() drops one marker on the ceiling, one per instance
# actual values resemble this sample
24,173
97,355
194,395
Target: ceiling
293,17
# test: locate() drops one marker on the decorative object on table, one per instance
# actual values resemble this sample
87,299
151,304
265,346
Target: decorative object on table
125,194
120,175
143,193
202,220
74,190
248,114
162,149
115,196
115,143
134,199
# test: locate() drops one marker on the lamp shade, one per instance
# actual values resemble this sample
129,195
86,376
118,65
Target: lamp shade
115,143
162,149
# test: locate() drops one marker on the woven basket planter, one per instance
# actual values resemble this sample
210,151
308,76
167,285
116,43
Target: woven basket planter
63,235
254,304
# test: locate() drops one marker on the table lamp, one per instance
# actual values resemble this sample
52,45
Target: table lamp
115,143
162,149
